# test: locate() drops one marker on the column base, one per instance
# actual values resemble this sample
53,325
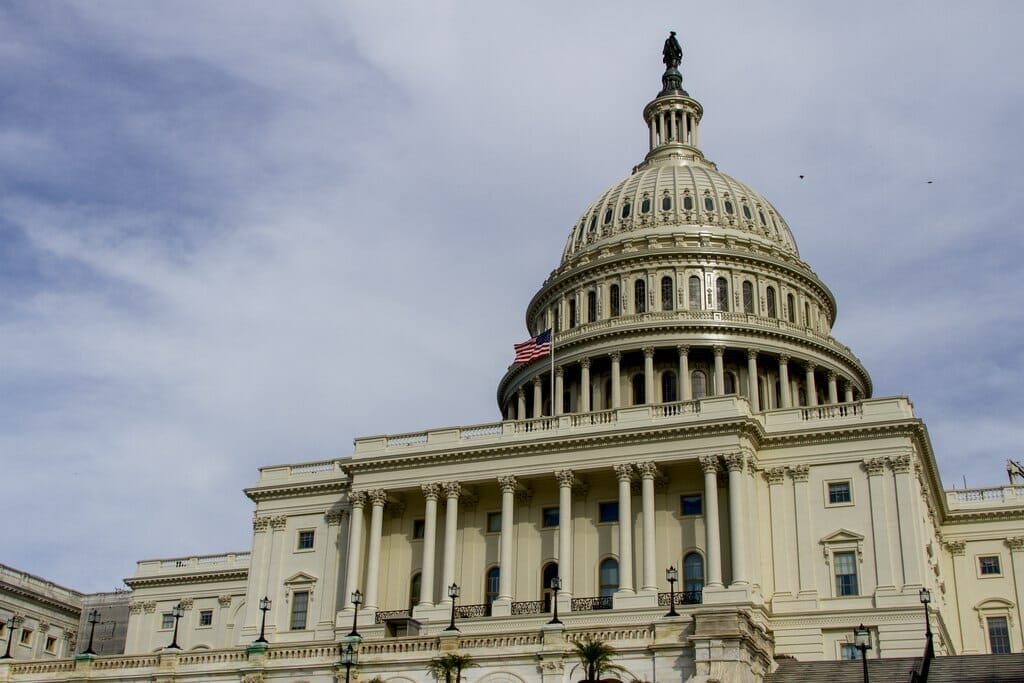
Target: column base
631,600
432,614
717,596
501,607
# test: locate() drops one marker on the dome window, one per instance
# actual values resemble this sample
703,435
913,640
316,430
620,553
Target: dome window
695,293
775,224
728,207
614,301
698,384
666,293
640,295
639,385
687,203
669,390
769,295
791,308
608,216
591,306
761,215
748,297
572,313
627,209
593,223
709,204
722,290
746,213
645,205
666,203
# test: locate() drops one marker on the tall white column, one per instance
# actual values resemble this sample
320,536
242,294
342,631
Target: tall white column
430,493
357,499
648,471
616,382
538,397
755,400
737,465
833,388
649,374
332,562
784,393
713,542
809,387
802,517
848,391
565,481
377,499
584,406
875,468
909,545
719,370
452,489
558,398
684,373
624,474
508,491
520,404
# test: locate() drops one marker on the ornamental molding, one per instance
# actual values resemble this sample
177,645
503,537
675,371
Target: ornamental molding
335,516
775,475
260,524
262,493
148,606
357,499
900,464
875,466
135,607
565,478
216,576
224,600
431,491
1015,544
186,603
799,473
278,522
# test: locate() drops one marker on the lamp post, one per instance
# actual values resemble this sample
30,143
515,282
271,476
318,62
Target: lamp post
453,593
862,641
264,607
177,612
10,636
556,585
94,618
357,599
348,658
671,575
926,597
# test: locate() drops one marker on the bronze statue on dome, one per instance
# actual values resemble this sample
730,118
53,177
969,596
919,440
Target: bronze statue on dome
672,54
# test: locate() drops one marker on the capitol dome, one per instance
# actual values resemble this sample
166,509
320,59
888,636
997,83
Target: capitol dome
678,283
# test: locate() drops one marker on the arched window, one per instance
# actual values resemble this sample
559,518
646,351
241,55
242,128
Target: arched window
761,215
709,203
491,584
687,202
640,295
669,392
572,312
666,293
608,577
614,300
591,306
645,205
414,589
730,383
728,207
549,572
746,212
807,314
699,384
696,296
748,296
722,291
666,203
791,308
769,298
608,216
639,385
627,208
593,224
693,576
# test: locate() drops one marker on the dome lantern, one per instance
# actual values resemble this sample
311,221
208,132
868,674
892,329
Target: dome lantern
673,116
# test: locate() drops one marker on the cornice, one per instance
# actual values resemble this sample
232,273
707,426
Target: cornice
971,516
40,599
136,582
308,488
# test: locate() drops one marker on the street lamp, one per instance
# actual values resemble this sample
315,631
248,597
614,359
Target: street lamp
556,585
926,597
11,623
177,612
453,593
348,658
357,599
264,607
862,641
94,618
671,575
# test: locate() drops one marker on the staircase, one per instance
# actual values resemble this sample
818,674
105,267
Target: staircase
961,669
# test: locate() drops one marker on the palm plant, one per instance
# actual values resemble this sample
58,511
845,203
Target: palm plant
596,657
448,664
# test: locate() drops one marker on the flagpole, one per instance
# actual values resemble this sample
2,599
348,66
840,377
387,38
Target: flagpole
552,372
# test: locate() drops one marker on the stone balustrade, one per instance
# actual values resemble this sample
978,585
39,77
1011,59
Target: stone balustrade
238,560
991,497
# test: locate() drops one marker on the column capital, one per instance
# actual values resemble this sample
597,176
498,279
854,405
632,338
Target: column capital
566,478
520,393
900,463
775,475
784,359
810,366
1015,544
260,523
874,466
278,523
623,472
800,472
559,371
585,363
956,548
452,489
736,462
718,349
751,353
648,352
616,356
378,497
335,516
709,463
224,600
538,381
648,470
507,483
831,376
432,491
683,349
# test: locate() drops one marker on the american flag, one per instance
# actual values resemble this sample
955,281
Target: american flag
535,348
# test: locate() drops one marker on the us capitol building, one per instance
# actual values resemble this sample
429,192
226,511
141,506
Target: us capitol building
697,415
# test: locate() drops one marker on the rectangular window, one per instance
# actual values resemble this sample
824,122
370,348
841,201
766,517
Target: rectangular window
998,635
608,512
51,644
26,636
300,606
493,522
206,617
849,651
846,573
839,492
549,517
306,540
167,620
989,565
572,313
419,528
691,504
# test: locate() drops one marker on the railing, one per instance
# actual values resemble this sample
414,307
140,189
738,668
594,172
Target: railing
831,410
601,417
416,439
677,408
382,617
999,495
681,598
196,561
473,611
528,607
313,467
480,431
540,424
591,604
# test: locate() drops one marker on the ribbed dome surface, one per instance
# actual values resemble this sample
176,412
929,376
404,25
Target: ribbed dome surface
690,196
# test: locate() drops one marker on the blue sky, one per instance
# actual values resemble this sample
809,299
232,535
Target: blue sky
242,233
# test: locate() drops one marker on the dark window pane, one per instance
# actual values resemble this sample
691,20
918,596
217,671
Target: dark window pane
666,203
839,492
615,301
418,527
549,517
692,504
709,204
608,512
666,293
493,522
300,606
687,202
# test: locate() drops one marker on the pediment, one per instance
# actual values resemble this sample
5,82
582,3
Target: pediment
301,577
843,536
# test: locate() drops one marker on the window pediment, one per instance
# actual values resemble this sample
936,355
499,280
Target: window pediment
300,579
